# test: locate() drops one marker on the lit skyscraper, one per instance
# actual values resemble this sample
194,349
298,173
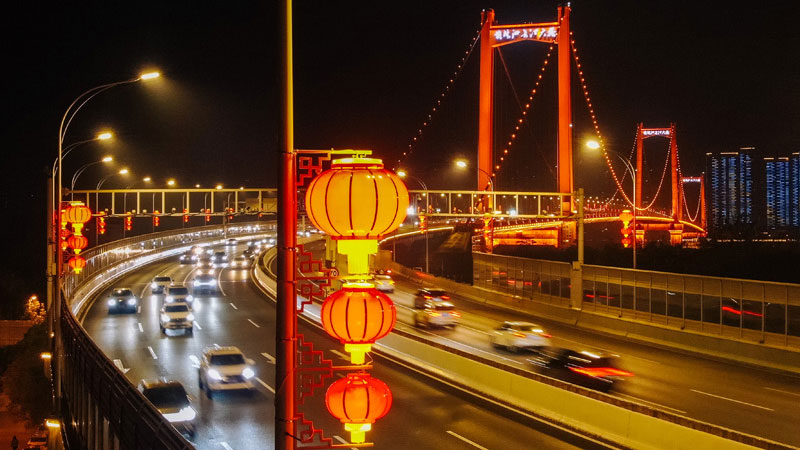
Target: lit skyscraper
779,190
794,175
731,184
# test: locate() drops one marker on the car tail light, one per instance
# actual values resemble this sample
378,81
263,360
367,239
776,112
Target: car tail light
445,297
520,335
428,297
455,314
435,314
546,335
601,371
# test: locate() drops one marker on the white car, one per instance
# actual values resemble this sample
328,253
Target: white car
383,283
177,293
160,283
436,313
122,299
176,316
519,335
171,400
225,368
241,262
231,241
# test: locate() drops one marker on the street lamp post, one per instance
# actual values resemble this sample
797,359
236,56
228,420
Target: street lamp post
462,164
54,271
628,167
82,169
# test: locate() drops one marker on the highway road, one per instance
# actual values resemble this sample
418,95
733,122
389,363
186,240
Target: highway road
750,400
425,414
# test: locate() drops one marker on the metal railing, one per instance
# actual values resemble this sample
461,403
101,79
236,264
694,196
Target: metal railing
100,408
760,311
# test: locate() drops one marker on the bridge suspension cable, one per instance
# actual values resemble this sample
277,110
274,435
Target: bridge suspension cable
440,98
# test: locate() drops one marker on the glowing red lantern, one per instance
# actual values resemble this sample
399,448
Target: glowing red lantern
358,401
77,214
357,201
77,243
358,315
77,263
626,216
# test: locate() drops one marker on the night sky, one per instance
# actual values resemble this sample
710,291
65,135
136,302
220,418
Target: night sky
366,76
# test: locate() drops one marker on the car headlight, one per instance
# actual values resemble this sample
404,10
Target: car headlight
164,318
196,282
214,375
189,298
131,301
111,302
190,317
184,415
154,285
169,299
248,373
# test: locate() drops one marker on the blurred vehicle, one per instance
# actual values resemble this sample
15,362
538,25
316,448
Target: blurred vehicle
425,294
176,316
249,254
231,241
204,265
219,259
171,400
177,293
160,283
187,258
225,368
591,369
122,300
436,313
204,283
241,262
38,441
514,336
383,283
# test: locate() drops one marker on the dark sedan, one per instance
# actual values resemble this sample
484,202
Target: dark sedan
588,368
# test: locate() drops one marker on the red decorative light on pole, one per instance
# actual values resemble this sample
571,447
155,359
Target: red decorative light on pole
77,263
358,401
358,315
77,214
77,243
128,222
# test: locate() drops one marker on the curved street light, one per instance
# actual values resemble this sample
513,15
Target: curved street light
83,168
594,145
404,174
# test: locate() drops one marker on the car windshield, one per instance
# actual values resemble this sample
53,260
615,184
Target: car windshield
123,292
383,277
178,291
436,292
530,328
163,279
227,360
169,396
176,308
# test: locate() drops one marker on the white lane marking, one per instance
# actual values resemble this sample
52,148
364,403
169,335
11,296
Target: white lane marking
120,366
458,436
197,325
254,324
782,391
141,329
340,355
146,285
467,346
226,446
139,309
732,400
233,306
269,357
152,353
188,275
269,388
649,402
219,282
339,438
195,361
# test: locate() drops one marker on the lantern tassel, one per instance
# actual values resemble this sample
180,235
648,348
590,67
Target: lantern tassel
358,432
357,251
357,352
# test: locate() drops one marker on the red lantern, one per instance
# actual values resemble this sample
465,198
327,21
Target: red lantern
358,401
77,263
156,219
358,315
77,214
101,223
357,202
128,222
185,215
77,243
626,216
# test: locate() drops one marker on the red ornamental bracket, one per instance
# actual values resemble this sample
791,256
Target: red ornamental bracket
311,286
307,168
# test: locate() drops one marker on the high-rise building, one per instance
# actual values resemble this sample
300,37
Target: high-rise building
794,175
779,192
731,186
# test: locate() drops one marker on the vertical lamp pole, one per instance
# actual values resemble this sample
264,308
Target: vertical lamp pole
286,327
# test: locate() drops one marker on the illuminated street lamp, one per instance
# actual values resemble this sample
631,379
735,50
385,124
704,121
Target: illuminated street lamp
594,145
78,172
103,180
404,174
219,186
171,182
462,164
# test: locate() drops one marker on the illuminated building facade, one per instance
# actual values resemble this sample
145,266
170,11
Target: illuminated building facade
731,186
794,202
779,192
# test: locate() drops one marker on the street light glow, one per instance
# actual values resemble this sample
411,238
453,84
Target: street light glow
147,179
461,163
149,75
592,144
197,185
124,172
219,186
401,173
105,135
107,159
171,182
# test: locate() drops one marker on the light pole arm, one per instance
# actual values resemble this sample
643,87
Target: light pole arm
79,172
489,176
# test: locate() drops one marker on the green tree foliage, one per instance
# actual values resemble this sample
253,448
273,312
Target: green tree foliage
22,375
